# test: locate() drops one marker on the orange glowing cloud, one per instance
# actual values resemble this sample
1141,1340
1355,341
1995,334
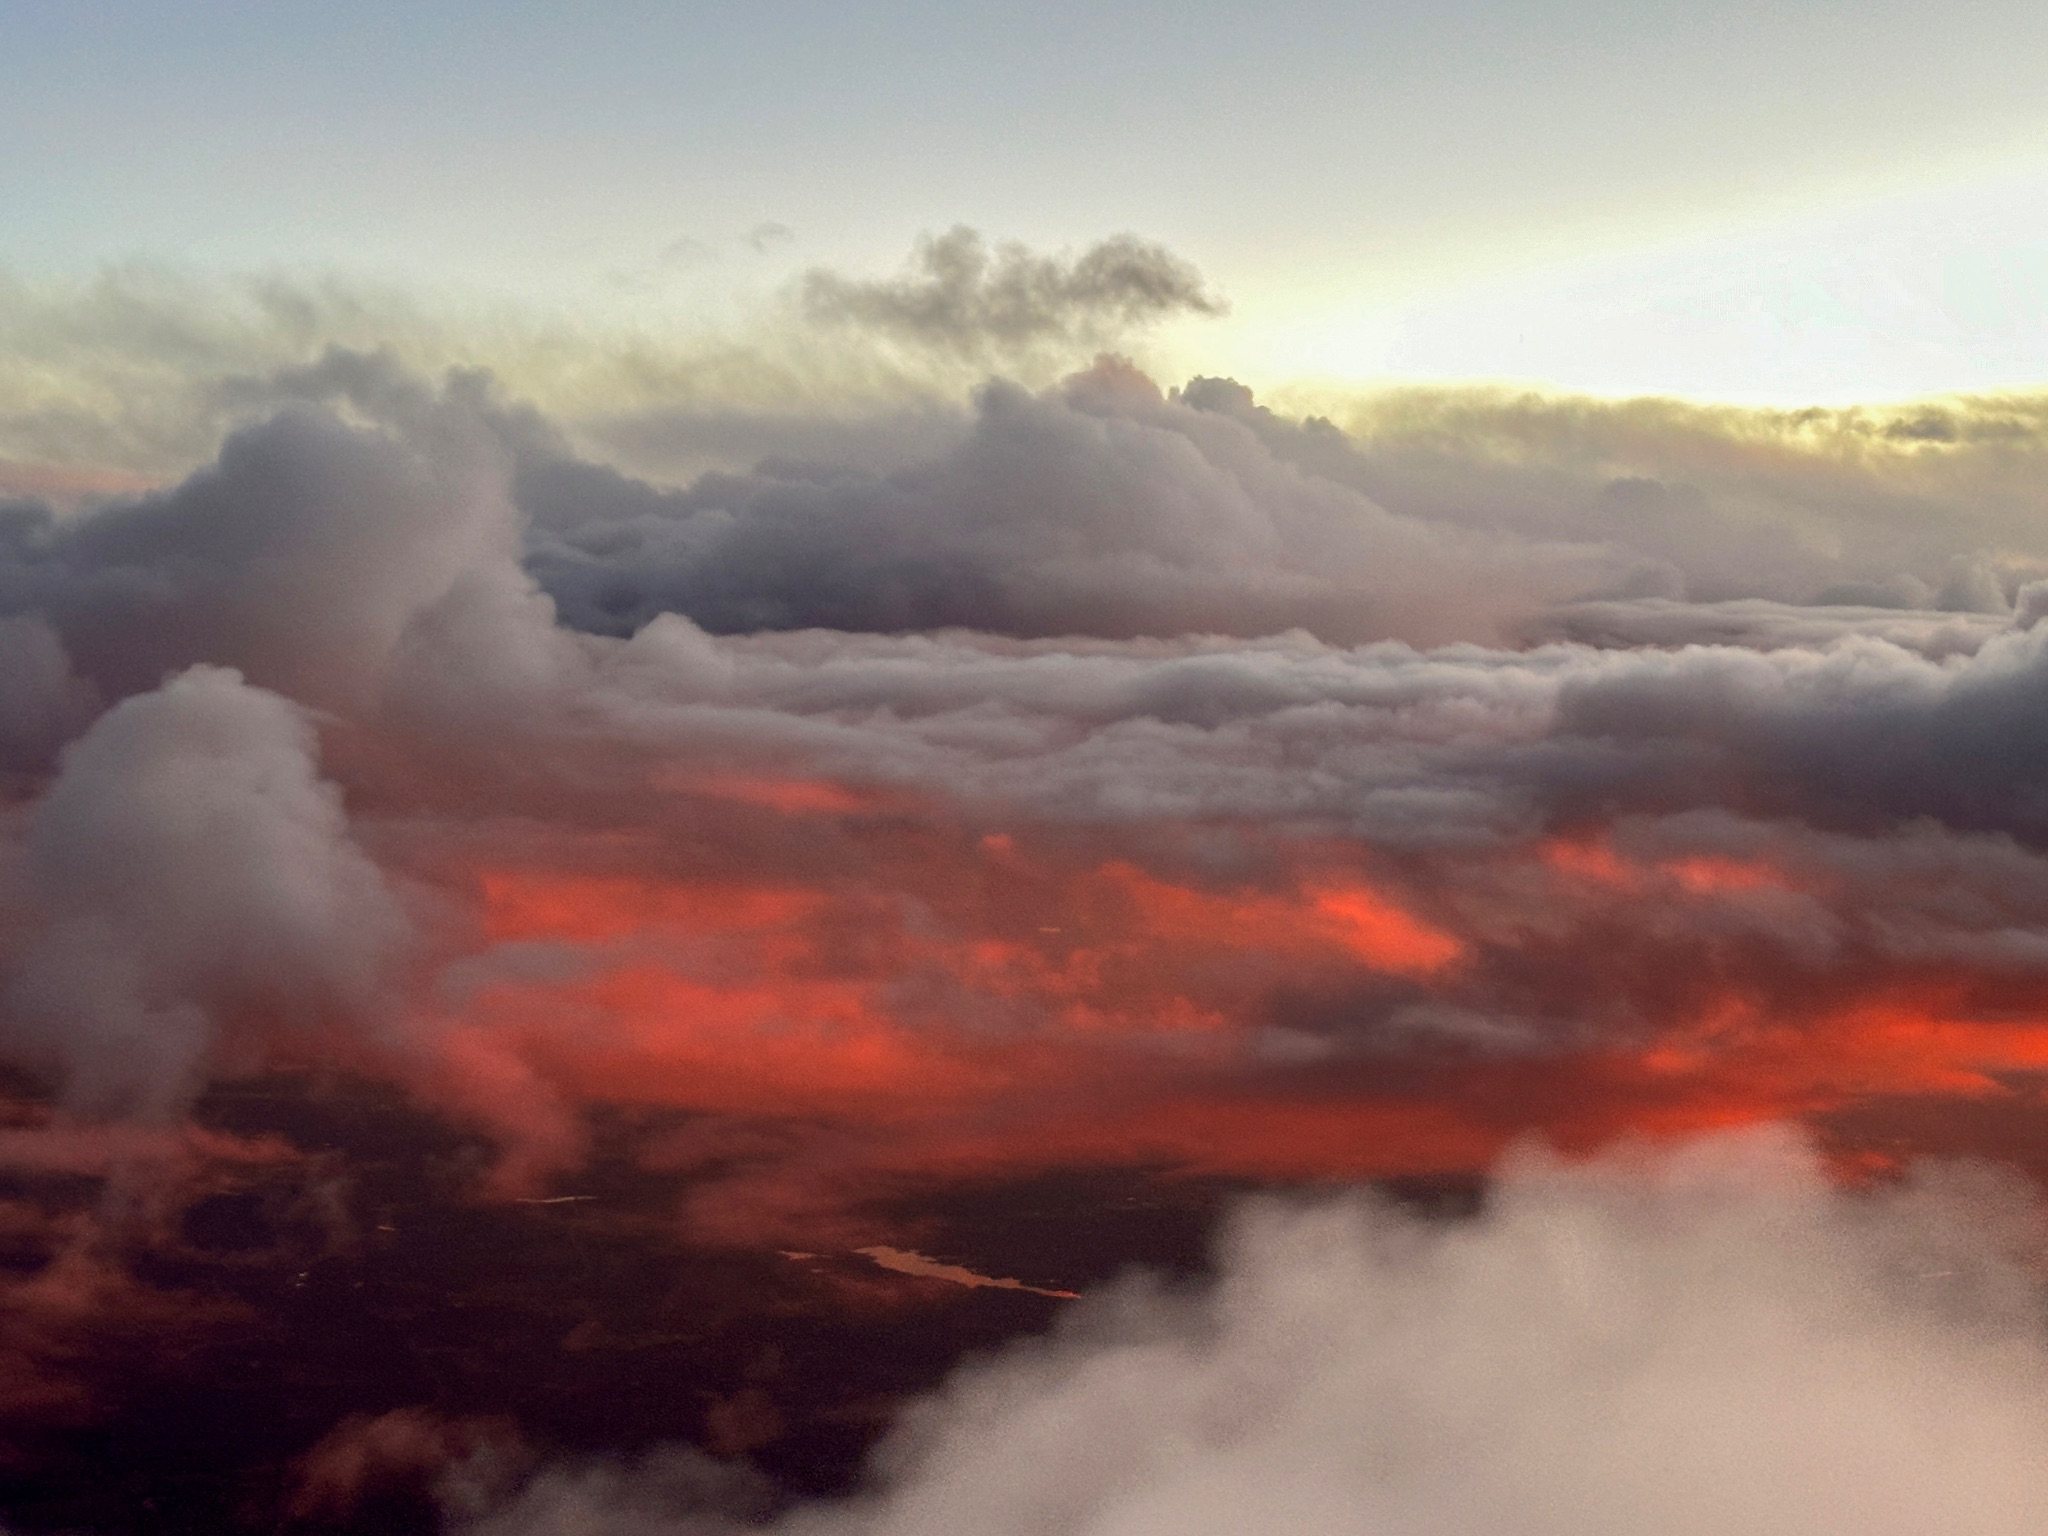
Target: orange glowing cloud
598,909
1594,861
785,797
966,1023
951,1005
1343,918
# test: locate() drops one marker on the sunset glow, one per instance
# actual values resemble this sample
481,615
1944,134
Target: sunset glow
1023,769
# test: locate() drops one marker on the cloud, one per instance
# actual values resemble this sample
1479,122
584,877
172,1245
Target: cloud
1099,508
1727,503
194,879
299,556
135,375
671,1491
1066,781
1402,744
1245,792
1705,1338
1723,802
364,1456
131,375
1624,507
961,297
42,702
1114,783
1760,624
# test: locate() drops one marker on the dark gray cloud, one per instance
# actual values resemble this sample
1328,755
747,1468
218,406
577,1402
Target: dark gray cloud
1099,508
42,702
961,297
299,556
671,445
1642,503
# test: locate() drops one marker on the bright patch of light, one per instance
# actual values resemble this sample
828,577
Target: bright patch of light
1934,291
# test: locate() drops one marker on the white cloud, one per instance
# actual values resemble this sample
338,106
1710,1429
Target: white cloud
1707,1339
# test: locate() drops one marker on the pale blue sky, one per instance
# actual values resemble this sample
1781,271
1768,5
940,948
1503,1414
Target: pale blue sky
1341,170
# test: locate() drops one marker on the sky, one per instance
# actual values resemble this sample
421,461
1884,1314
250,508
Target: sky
1091,771
1755,202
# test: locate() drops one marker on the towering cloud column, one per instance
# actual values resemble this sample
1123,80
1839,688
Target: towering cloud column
196,882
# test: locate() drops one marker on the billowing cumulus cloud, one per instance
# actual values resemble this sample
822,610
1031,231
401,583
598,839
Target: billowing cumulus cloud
191,876
1101,509
1707,1340
299,556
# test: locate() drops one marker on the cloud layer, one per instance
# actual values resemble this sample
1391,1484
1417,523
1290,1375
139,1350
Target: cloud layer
1151,665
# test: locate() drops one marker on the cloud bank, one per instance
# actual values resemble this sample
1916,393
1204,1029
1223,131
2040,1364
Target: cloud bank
1145,662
